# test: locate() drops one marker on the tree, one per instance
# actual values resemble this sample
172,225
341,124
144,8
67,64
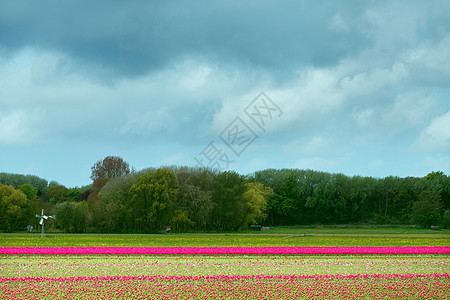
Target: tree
229,188
74,193
114,213
29,210
180,221
29,191
153,198
81,217
287,202
58,194
117,212
389,188
109,167
64,212
18,179
446,219
255,198
441,182
195,195
12,203
427,211
53,183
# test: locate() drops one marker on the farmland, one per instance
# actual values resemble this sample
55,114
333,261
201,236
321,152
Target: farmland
286,264
336,236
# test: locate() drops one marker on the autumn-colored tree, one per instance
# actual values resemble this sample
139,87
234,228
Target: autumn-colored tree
109,167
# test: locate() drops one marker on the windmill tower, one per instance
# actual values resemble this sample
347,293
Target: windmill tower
41,222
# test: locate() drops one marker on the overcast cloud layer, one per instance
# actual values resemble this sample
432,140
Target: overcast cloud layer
362,88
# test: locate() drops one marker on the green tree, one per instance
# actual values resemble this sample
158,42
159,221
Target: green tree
58,194
229,188
290,188
74,193
181,222
64,212
18,179
29,191
53,183
427,211
195,195
441,183
197,203
329,198
446,219
31,207
255,197
153,198
12,204
114,213
389,187
81,217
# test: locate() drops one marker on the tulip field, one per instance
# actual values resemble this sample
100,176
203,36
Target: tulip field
30,268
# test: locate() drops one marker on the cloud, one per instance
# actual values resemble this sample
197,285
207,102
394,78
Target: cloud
430,62
437,134
364,118
19,128
176,103
337,23
149,122
142,37
310,146
400,117
355,81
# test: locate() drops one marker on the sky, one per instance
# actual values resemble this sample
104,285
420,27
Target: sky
352,87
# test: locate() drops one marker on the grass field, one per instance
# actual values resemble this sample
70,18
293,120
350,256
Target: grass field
343,276
277,237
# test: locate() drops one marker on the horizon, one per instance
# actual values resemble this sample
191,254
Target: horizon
248,174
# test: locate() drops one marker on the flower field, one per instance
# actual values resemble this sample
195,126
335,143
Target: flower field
218,272
221,250
310,239
205,265
410,286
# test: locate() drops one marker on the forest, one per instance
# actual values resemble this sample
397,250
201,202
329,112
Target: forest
186,199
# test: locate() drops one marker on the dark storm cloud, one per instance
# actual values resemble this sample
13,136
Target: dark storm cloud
135,37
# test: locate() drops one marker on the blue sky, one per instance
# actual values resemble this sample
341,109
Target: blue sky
355,87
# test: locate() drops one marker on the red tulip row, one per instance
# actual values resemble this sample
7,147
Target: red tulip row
220,250
392,286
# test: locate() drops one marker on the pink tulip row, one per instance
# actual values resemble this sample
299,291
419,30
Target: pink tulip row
220,250
394,286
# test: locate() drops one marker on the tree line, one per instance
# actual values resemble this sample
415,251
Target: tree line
187,199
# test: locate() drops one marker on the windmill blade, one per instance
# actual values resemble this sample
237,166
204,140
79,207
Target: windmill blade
45,217
42,212
41,222
38,216
53,217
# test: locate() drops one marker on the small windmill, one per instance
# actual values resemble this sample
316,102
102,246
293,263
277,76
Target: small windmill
41,222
